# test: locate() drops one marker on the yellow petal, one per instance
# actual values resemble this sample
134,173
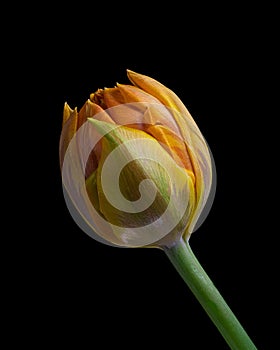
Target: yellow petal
144,159
195,143
156,89
70,121
167,97
67,112
132,93
91,187
174,145
158,114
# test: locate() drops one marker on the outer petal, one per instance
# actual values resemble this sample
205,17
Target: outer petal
70,122
174,145
112,97
197,147
91,109
139,109
144,159
160,115
132,93
156,113
67,113
83,196
170,99
98,98
158,90
91,187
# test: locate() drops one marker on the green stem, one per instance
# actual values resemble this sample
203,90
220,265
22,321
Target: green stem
209,297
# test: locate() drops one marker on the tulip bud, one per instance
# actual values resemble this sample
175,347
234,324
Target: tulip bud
137,172
135,165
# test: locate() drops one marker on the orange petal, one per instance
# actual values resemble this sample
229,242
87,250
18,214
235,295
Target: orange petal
174,145
112,97
196,145
98,98
130,114
67,113
132,93
168,98
144,159
90,110
156,89
160,115
70,118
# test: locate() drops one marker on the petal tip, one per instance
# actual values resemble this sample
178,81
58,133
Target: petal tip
131,74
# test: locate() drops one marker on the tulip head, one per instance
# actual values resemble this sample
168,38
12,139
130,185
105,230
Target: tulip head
135,165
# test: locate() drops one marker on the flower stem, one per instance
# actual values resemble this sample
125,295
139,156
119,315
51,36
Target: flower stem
209,297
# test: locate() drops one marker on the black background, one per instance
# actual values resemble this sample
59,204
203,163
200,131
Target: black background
72,290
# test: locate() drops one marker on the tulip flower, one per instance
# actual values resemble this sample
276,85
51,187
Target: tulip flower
139,173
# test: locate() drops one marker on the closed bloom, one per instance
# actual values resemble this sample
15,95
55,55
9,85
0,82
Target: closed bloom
135,164
137,172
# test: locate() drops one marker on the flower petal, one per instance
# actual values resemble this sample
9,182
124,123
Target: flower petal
70,121
91,187
158,114
132,93
112,97
144,159
168,98
156,89
195,142
98,98
91,109
174,145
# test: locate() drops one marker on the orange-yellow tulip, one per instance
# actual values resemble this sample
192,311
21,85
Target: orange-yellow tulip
160,141
138,172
